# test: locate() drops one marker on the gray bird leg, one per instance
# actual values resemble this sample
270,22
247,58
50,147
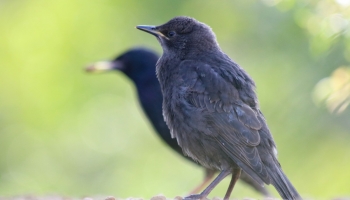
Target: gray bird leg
209,174
235,176
212,185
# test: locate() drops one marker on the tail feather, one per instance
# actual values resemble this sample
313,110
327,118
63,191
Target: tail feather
282,184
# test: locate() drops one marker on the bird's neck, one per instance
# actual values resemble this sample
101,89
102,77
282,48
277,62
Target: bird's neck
166,68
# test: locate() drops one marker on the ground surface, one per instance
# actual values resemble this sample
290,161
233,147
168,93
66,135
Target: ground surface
158,197
56,197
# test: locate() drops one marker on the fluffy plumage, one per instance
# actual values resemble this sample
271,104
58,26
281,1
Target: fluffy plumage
211,108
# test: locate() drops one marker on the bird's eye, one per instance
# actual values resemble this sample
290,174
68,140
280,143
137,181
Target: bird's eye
171,33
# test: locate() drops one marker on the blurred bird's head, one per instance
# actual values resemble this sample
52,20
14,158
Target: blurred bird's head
182,35
137,64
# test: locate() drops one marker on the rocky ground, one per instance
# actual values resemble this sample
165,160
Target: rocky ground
158,197
54,197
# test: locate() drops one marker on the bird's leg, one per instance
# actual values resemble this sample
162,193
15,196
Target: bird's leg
235,176
209,174
212,185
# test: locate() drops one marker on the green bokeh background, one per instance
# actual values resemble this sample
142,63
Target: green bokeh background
66,132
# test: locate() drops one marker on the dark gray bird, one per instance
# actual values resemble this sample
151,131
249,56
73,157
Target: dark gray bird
139,64
210,106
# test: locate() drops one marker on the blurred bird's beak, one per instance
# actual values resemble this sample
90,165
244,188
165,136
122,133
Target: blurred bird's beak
152,30
104,66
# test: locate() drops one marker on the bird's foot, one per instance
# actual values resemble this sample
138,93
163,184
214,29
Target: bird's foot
196,197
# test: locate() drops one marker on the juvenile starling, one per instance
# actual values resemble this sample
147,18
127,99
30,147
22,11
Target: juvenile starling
210,106
139,64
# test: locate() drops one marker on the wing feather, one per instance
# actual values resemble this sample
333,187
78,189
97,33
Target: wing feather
233,122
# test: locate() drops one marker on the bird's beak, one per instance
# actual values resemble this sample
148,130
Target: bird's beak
104,66
152,30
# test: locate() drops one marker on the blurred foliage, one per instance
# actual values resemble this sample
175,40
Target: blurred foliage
335,90
327,23
65,132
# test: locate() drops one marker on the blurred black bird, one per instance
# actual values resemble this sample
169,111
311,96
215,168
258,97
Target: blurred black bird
139,64
210,106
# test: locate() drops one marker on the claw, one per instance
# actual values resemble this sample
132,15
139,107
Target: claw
195,197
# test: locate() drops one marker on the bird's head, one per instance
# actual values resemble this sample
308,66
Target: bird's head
183,35
137,64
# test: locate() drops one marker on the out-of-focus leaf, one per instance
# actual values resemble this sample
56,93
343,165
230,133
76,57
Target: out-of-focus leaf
334,91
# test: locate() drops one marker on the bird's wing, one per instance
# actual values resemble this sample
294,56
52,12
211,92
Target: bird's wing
230,119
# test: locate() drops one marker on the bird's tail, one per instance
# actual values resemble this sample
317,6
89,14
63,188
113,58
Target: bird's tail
282,184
